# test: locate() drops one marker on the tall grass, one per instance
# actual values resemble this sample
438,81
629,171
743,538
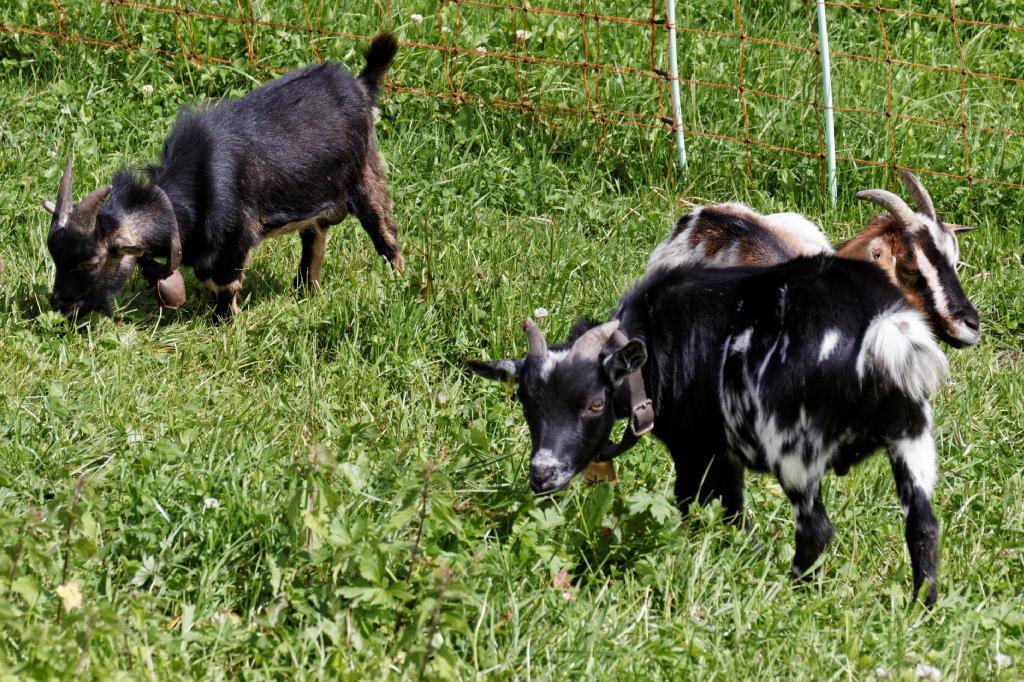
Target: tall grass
319,489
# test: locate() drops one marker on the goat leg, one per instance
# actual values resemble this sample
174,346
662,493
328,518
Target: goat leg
813,529
913,467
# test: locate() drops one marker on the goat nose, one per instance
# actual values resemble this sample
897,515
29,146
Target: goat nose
971,320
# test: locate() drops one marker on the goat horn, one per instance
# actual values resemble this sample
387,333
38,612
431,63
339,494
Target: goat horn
64,203
84,215
921,196
892,203
174,248
538,347
590,344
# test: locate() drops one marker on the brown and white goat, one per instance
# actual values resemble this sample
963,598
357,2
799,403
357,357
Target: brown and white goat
917,251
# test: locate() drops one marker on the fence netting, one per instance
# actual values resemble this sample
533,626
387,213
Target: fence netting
934,89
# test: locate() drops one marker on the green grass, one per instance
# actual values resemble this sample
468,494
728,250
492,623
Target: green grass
248,499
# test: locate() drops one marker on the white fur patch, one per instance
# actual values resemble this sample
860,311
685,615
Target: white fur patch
828,344
944,240
919,456
930,273
794,475
797,231
794,233
545,459
507,367
551,361
724,257
230,287
899,346
741,342
676,251
931,278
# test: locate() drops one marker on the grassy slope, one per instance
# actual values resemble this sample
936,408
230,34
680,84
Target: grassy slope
311,422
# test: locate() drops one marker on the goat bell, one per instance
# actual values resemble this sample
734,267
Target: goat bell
170,291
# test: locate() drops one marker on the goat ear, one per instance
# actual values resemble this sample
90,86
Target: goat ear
960,228
625,360
496,370
877,250
49,206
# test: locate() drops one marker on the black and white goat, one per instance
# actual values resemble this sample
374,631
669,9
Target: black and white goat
797,369
295,155
918,252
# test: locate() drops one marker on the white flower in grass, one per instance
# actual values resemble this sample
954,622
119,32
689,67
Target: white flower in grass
481,50
147,89
1003,661
923,671
522,34
881,673
416,18
540,313
70,596
66,110
445,29
211,503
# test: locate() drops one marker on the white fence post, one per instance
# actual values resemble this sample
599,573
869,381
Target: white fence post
826,87
673,70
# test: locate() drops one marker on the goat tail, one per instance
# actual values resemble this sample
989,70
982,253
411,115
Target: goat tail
899,347
378,58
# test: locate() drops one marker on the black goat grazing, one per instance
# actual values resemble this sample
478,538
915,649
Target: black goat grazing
795,369
295,155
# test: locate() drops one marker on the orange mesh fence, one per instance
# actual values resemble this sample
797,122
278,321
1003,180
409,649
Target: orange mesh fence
933,90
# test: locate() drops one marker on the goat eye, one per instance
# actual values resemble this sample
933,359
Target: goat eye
596,407
90,264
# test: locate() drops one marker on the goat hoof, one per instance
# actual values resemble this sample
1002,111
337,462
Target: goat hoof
929,587
223,313
397,262
304,285
171,290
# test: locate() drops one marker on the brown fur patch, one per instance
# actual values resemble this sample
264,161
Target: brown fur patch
378,220
707,229
884,238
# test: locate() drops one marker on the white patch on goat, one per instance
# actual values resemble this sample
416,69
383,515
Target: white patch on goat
230,287
723,258
545,459
918,454
828,344
675,250
944,240
899,346
741,342
793,475
551,361
289,228
799,232
784,351
955,327
931,278
507,367
764,362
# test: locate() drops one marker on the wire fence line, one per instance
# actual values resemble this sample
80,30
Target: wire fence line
753,76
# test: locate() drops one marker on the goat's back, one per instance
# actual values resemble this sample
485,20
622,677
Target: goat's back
294,144
822,339
732,234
